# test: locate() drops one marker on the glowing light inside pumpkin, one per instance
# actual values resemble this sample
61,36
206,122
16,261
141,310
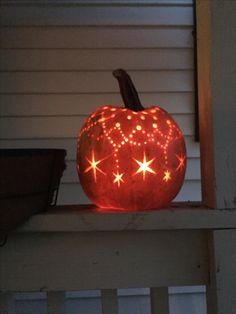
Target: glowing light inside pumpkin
128,139
126,148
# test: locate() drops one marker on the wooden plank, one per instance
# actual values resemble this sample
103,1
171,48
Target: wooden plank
94,37
87,218
205,101
56,302
52,126
221,290
70,145
7,303
73,193
216,102
96,15
36,254
223,103
84,104
109,299
159,300
91,59
93,82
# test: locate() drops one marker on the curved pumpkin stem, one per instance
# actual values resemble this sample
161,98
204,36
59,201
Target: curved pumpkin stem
128,91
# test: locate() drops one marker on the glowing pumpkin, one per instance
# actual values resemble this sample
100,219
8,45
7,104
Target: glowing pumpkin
130,158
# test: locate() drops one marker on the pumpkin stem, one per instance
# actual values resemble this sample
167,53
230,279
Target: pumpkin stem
128,91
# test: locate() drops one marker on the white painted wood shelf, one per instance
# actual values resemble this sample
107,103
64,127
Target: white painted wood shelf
86,218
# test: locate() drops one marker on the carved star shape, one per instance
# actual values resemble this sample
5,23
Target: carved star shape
144,166
118,178
181,160
93,165
167,176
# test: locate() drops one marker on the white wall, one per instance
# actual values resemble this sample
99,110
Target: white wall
56,62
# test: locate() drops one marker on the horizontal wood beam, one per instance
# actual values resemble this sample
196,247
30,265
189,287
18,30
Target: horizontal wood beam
103,260
86,218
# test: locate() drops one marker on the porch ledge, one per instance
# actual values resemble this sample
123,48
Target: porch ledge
85,218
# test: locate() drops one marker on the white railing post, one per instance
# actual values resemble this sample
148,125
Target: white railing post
109,301
221,298
7,304
159,300
56,302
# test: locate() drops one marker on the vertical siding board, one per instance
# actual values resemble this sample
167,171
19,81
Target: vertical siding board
205,100
217,102
223,102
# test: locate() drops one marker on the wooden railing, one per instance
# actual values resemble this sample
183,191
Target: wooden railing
76,248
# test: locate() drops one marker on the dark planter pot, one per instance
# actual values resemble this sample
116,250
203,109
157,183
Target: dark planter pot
29,180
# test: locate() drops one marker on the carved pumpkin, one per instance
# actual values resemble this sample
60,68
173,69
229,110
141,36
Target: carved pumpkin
130,158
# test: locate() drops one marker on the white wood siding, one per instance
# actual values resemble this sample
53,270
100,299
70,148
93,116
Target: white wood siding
56,60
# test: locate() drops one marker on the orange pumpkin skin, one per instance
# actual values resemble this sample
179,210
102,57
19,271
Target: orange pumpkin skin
129,160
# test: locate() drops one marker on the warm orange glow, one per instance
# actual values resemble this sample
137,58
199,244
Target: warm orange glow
131,161
93,166
144,166
118,178
138,127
